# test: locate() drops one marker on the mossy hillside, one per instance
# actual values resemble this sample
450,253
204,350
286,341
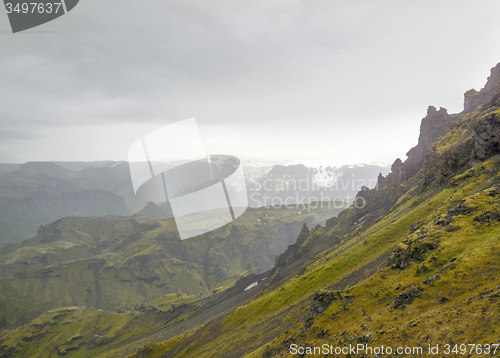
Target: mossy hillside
288,307
166,302
111,262
424,198
70,239
79,332
458,301
284,314
274,310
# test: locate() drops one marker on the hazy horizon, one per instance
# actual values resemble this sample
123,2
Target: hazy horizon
245,162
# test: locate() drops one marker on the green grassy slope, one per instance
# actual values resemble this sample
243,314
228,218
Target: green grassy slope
111,262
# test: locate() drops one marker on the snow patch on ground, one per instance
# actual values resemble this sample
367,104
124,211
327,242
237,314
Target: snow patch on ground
251,286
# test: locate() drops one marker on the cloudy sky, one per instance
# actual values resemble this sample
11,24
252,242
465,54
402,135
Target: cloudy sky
311,81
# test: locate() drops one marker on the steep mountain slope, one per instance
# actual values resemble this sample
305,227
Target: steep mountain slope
414,263
112,262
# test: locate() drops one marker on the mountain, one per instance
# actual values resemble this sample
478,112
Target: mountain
6,168
157,211
296,184
38,193
415,266
112,262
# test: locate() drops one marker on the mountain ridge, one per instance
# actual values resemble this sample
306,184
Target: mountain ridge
37,193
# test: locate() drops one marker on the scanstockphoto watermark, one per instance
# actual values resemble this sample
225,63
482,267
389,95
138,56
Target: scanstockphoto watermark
308,184
356,349
308,193
457,349
204,191
307,203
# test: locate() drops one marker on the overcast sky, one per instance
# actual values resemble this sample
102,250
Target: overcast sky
311,81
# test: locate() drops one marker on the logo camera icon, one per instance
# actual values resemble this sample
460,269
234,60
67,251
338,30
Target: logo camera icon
204,191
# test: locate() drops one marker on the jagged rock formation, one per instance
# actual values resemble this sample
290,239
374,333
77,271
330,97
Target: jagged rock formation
480,139
487,136
434,125
489,95
451,149
290,254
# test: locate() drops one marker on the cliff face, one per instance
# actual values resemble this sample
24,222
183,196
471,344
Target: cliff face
448,144
433,125
473,136
485,126
487,135
488,96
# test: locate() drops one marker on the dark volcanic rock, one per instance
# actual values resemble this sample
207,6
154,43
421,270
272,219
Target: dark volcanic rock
7,351
460,209
407,297
413,251
430,280
488,95
290,254
321,300
487,136
488,217
96,341
434,125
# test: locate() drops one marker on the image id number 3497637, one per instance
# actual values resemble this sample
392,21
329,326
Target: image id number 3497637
34,7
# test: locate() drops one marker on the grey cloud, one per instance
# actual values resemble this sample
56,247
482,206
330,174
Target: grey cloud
18,134
325,62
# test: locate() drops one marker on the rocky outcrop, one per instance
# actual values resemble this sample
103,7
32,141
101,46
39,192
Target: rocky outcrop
487,136
412,250
436,166
489,95
97,341
407,297
293,250
488,217
433,125
322,299
373,202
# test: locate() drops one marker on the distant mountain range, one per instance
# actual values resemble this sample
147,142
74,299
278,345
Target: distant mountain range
297,184
38,193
